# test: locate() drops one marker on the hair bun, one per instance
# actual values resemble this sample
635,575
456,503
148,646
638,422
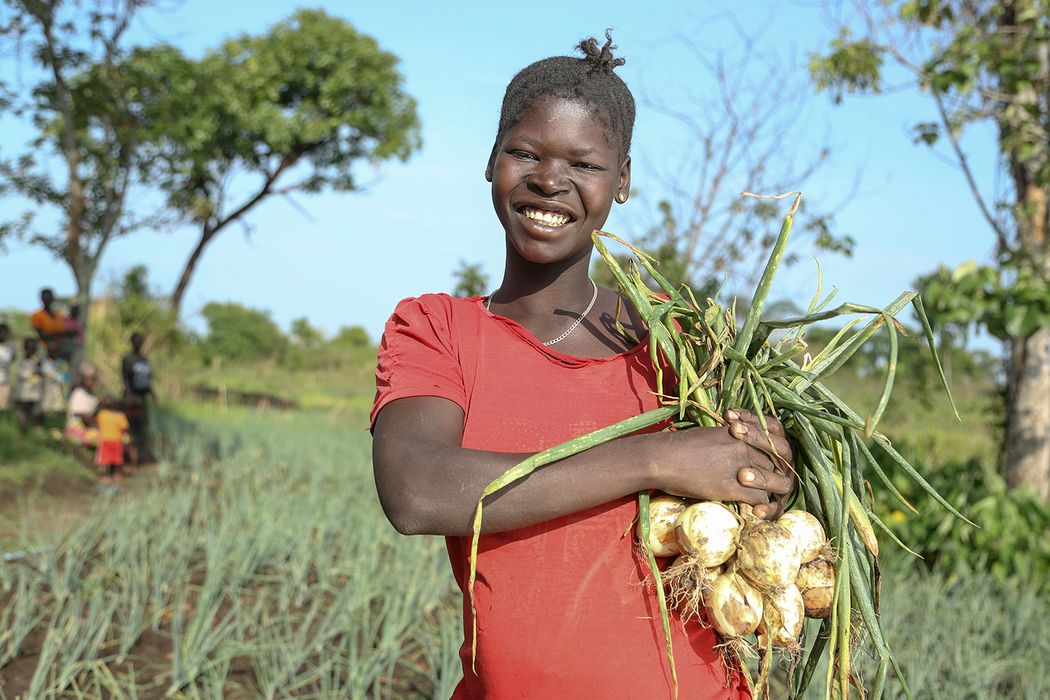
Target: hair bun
600,57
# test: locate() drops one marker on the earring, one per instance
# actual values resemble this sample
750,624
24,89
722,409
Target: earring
621,197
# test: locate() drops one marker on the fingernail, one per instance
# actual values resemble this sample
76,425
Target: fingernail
748,476
732,415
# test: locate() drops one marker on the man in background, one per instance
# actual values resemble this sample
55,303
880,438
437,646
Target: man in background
137,373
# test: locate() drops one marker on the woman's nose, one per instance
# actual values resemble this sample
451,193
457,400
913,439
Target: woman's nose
549,179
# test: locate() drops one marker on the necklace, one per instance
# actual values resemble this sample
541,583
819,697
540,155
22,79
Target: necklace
577,322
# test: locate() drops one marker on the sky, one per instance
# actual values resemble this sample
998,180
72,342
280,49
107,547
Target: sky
347,258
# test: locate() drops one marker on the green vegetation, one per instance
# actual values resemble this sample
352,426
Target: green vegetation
255,564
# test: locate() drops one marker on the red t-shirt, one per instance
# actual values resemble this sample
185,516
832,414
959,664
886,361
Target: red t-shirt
563,609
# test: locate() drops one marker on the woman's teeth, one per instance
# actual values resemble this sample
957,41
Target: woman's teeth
548,218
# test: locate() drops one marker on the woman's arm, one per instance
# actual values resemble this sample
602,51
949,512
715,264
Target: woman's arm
428,484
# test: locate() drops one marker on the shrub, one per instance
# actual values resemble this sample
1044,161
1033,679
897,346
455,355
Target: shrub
1010,542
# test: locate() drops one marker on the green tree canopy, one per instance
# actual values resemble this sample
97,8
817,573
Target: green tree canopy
298,109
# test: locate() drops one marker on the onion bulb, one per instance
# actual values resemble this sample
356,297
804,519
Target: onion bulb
816,582
805,529
734,607
768,555
708,532
786,610
663,513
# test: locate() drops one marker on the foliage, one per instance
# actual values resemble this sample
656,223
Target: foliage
298,109
971,637
258,563
83,124
238,333
982,62
1010,300
1010,544
471,280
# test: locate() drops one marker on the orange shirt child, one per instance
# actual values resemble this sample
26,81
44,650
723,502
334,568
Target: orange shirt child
112,426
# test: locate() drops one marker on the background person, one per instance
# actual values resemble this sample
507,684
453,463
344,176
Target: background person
48,321
29,387
7,359
54,371
112,431
137,375
80,429
74,340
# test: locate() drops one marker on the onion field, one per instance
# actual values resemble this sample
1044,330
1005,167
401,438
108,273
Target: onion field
256,563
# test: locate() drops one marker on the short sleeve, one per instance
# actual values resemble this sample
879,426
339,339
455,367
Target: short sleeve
418,355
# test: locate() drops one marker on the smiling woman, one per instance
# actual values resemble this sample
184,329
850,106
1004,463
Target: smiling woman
466,388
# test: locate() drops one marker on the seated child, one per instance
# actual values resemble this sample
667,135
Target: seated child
112,431
81,408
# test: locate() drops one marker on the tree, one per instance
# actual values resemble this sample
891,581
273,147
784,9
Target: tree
471,280
79,107
744,125
981,62
298,109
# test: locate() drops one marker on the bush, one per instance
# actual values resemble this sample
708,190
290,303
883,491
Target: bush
239,333
1010,541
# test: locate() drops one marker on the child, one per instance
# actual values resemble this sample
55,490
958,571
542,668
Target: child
54,371
29,387
467,388
7,358
112,433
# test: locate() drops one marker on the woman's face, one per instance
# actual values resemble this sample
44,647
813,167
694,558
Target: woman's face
554,177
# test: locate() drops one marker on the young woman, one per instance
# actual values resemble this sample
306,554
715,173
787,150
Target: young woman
467,388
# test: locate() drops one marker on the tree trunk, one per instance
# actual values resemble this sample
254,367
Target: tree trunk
1028,414
188,269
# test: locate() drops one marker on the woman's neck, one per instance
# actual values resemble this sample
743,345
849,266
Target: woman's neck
537,289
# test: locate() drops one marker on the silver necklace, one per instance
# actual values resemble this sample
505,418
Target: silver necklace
577,322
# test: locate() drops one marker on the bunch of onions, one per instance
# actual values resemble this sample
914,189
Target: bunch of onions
763,366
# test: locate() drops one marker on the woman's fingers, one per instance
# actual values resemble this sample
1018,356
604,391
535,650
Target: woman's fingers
769,511
766,480
742,415
777,448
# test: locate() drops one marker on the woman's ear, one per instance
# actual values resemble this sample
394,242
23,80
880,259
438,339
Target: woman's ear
625,179
491,163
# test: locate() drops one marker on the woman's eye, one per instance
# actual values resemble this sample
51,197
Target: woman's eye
522,155
588,166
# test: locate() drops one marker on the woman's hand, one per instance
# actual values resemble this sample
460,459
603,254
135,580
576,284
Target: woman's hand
779,453
733,463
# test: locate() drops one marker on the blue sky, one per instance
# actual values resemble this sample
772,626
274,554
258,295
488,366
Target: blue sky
351,257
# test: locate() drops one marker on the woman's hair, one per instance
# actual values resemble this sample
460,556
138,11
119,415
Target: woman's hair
589,80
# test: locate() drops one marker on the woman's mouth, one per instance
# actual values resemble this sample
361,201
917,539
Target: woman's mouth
545,217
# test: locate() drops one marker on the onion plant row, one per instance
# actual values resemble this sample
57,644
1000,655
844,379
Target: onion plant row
767,367
257,564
